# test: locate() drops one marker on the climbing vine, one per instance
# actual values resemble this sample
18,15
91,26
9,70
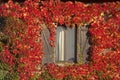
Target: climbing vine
21,56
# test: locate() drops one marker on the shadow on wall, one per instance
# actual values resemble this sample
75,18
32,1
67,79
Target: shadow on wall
3,38
2,23
4,1
90,43
91,1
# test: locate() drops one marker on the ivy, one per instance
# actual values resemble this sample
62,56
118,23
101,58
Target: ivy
22,52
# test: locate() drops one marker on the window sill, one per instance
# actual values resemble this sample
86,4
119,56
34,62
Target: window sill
64,63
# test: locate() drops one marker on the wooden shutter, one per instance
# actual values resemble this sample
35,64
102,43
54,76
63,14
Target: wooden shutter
83,45
48,50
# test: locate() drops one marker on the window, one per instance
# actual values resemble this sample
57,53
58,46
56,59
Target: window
65,45
72,45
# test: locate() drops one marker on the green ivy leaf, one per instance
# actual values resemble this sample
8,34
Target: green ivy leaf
3,73
4,66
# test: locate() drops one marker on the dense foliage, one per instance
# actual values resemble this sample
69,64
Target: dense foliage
21,45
